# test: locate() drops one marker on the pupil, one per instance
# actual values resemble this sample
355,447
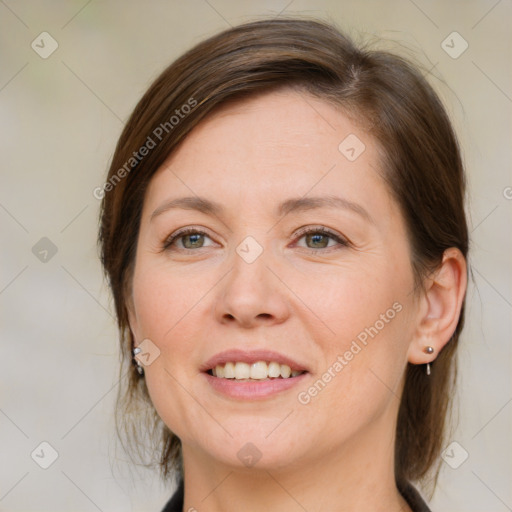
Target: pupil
197,236
316,237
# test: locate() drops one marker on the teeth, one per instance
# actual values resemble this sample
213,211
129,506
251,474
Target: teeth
259,370
285,371
274,369
242,371
229,371
256,371
219,371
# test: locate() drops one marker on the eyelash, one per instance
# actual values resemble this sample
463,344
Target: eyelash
301,233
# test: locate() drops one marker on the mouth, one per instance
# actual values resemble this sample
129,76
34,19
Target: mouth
252,375
258,371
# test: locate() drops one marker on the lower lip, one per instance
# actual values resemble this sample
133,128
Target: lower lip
252,390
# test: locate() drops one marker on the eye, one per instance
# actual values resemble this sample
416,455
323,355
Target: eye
186,239
193,238
319,238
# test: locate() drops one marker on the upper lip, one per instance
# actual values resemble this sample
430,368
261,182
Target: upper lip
249,357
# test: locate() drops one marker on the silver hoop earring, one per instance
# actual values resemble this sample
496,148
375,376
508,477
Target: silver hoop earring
135,351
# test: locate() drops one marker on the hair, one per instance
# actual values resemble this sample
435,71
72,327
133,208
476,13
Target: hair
420,162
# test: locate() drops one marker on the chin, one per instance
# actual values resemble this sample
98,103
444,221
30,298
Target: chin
256,448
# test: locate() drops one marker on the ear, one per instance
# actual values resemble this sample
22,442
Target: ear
440,307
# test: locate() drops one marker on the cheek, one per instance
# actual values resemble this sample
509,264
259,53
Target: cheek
166,306
363,333
163,298
347,299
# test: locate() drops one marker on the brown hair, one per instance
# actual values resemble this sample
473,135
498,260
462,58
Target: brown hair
420,161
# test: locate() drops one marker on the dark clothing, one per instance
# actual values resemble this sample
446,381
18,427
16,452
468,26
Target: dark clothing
413,498
409,493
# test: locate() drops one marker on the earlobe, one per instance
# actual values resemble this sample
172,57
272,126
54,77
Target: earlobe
440,309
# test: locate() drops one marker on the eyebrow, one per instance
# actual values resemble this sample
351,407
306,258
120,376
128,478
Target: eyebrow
300,204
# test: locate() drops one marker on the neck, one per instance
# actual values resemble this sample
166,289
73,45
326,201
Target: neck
357,476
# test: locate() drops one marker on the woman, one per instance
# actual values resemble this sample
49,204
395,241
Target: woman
283,230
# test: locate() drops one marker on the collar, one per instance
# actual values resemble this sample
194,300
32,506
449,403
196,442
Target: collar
409,493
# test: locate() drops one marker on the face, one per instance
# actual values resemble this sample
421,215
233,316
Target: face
296,257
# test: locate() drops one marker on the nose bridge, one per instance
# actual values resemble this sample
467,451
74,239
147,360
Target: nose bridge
251,293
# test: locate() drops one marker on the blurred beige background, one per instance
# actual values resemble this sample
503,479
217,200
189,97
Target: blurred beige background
60,116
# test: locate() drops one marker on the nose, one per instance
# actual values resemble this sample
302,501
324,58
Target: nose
252,294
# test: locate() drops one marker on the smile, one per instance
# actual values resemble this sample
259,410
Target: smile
260,370
252,374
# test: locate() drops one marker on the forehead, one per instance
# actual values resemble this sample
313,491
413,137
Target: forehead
282,143
280,124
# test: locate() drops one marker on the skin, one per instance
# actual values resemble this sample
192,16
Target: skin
305,297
